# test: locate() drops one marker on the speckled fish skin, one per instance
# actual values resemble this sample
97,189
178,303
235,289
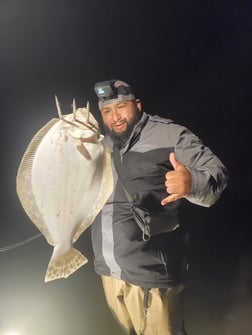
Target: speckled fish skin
63,181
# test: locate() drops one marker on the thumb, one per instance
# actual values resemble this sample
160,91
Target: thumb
175,164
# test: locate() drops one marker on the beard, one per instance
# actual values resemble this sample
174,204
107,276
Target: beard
120,138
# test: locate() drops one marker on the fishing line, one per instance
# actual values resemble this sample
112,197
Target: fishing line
19,244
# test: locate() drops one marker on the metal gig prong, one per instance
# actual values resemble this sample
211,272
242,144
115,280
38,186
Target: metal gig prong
58,107
74,110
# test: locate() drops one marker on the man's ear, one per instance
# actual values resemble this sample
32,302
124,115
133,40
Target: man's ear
139,105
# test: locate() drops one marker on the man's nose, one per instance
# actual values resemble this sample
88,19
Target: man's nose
116,115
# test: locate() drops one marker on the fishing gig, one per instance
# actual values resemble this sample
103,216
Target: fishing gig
63,181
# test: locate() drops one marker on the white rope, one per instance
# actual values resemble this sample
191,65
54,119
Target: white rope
19,244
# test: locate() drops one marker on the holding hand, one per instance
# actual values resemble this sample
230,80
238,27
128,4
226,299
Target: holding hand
178,182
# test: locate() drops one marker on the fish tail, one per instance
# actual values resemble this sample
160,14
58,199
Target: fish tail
64,265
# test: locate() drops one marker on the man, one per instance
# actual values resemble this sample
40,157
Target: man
138,240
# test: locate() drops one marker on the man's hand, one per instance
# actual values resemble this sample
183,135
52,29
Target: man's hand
178,182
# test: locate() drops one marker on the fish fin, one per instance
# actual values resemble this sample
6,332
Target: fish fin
24,181
64,265
82,149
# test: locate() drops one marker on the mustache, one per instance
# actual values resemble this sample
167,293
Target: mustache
120,122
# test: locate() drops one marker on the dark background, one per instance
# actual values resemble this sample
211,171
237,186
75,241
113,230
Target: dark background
187,60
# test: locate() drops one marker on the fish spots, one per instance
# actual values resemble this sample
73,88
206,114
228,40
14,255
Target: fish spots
64,265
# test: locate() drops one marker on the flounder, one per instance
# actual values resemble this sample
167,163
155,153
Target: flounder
63,181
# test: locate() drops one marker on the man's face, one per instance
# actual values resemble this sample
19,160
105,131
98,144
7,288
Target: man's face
119,118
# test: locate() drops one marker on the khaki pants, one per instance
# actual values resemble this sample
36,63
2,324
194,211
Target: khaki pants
140,311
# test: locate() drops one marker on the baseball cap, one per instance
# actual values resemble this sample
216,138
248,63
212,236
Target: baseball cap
113,90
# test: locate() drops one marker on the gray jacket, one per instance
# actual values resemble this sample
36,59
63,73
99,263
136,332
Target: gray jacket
117,240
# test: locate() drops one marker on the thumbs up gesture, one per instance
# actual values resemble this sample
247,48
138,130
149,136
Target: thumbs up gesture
178,182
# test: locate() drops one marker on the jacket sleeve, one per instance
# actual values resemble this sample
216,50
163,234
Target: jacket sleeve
209,175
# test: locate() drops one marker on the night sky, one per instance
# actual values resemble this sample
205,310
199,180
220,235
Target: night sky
190,61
